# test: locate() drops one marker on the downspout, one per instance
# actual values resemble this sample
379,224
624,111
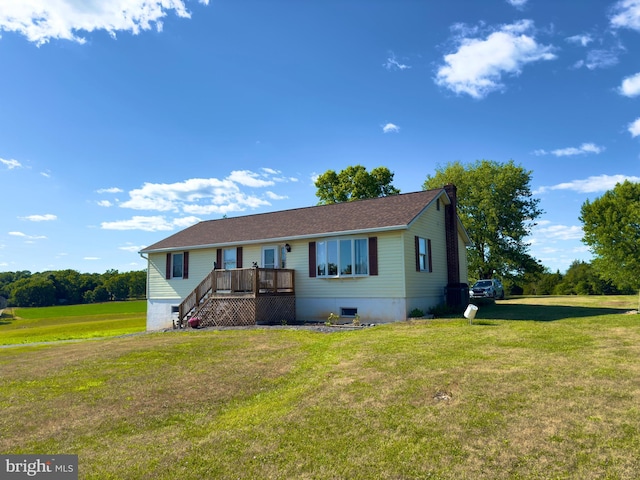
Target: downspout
146,288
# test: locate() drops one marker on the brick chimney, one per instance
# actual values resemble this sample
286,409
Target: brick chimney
451,235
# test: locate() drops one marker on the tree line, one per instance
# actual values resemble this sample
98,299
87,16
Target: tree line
68,287
581,278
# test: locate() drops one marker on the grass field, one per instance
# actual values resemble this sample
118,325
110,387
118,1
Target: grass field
536,388
28,325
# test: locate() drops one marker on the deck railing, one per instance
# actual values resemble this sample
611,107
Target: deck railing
239,281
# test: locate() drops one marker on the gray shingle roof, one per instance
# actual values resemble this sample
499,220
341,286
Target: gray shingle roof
383,213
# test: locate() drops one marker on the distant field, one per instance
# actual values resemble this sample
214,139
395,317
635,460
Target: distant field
536,388
28,325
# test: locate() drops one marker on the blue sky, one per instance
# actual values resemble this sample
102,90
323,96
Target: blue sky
123,121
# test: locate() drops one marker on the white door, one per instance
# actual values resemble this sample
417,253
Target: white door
270,257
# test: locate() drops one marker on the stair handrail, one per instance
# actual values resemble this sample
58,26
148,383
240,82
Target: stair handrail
192,301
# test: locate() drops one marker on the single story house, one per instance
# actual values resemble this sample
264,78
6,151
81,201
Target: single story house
378,259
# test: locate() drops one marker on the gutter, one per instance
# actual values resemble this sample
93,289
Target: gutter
147,282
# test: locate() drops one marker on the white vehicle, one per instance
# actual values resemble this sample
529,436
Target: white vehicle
491,288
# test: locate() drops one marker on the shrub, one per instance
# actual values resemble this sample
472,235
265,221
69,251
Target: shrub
415,313
443,310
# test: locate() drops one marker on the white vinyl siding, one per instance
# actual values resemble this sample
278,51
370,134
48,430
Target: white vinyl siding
200,264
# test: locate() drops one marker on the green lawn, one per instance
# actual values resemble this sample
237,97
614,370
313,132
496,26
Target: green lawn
543,388
28,325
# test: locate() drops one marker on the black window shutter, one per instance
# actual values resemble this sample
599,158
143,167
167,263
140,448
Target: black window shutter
312,259
417,243
373,255
185,265
429,253
239,257
168,267
219,259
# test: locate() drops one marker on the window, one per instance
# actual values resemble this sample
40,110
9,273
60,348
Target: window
177,265
229,258
342,258
424,261
269,257
176,271
274,257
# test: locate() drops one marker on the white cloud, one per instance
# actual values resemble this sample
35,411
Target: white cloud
517,3
27,237
91,259
594,184
249,178
150,224
626,14
40,218
42,20
582,40
390,128
634,127
581,150
109,190
185,221
105,203
630,86
275,196
558,232
147,224
132,248
166,197
46,174
477,66
10,164
569,151
393,64
202,196
600,58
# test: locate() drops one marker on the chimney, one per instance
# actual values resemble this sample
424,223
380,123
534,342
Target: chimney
451,235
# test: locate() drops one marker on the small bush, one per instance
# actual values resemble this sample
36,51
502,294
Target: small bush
443,310
333,318
416,313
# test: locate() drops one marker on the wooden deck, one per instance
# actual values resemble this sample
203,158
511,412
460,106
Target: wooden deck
241,296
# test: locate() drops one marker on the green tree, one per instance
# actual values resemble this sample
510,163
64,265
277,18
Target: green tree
582,279
496,206
35,291
611,226
354,183
118,286
137,283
